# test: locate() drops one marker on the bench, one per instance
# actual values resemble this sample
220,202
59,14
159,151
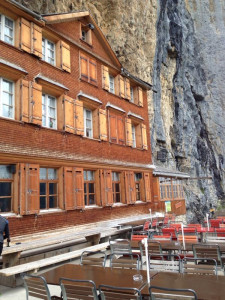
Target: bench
8,275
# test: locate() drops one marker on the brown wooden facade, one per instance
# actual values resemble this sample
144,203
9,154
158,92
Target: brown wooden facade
74,130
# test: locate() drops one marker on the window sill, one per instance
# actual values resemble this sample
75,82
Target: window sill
140,202
119,204
51,210
92,84
8,214
86,43
91,207
122,98
90,138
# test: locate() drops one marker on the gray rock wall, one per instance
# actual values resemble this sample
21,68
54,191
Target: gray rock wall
179,46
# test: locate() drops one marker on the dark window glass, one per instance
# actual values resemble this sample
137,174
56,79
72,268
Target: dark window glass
5,189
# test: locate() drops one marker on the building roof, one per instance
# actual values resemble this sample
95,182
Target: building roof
161,171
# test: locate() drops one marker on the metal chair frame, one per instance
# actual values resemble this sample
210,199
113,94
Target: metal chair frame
78,289
122,262
120,246
87,258
158,296
199,267
36,286
165,263
108,292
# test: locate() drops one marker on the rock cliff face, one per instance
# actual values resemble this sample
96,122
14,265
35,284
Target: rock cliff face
178,45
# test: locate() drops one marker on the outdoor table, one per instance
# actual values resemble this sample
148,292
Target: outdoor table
100,275
203,230
207,287
134,223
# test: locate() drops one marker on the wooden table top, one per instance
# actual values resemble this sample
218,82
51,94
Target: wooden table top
207,287
100,275
134,223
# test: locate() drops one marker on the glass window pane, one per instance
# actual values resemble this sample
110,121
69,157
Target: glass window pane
5,188
43,173
85,200
42,202
117,186
52,188
91,187
117,197
42,188
5,204
85,188
91,199
85,175
53,202
52,174
5,172
90,175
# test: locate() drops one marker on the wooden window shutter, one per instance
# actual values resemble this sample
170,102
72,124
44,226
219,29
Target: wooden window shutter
68,114
79,117
147,184
129,132
95,117
69,192
65,56
29,189
79,187
127,88
140,96
144,137
36,42
84,67
121,130
106,187
105,78
93,70
113,128
24,100
36,104
25,35
103,124
155,189
130,187
138,130
122,86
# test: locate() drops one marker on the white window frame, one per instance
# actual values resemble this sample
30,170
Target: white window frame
85,123
45,51
131,94
1,98
111,84
47,116
2,27
133,136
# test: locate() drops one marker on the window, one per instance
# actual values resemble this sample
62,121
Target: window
116,187
133,136
131,94
88,132
49,111
6,29
48,51
171,188
6,183
48,188
86,34
111,84
83,35
137,178
89,188
6,98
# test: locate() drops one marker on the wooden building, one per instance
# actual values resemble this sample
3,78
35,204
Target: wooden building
74,129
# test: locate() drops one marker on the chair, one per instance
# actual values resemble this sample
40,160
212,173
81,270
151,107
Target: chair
130,261
197,266
170,230
165,263
108,292
188,238
215,237
215,222
173,294
36,286
220,231
208,252
78,289
162,237
89,258
154,247
120,246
